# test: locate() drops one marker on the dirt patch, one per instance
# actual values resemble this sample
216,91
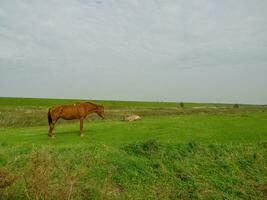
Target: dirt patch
6,178
263,188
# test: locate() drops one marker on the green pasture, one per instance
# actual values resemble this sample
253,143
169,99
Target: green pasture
201,151
225,128
41,102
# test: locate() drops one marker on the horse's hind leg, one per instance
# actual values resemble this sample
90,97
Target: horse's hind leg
51,127
81,127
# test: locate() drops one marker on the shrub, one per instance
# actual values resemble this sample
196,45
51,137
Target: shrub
146,148
236,106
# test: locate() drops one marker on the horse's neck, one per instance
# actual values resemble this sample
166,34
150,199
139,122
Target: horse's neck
92,109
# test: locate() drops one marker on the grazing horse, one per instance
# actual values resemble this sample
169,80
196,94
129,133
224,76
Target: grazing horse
74,111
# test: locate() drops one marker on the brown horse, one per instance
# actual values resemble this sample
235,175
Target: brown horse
74,111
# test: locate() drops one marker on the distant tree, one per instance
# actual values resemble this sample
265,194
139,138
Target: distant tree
181,104
236,106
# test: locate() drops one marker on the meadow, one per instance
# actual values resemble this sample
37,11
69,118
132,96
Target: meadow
199,151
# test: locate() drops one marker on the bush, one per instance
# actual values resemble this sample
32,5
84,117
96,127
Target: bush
146,148
236,106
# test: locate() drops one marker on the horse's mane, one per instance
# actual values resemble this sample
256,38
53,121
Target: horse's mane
94,104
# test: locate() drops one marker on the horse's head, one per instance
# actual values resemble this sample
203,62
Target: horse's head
100,111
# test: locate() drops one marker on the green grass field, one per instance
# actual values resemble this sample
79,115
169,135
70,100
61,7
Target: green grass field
201,151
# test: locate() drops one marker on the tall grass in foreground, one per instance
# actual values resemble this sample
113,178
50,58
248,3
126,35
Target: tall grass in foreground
140,170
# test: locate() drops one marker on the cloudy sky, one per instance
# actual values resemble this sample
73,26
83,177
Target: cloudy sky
159,50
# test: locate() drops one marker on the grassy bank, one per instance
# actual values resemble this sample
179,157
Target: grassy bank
140,170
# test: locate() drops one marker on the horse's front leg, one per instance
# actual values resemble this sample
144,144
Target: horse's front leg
81,127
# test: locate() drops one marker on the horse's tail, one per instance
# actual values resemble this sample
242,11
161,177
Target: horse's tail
49,117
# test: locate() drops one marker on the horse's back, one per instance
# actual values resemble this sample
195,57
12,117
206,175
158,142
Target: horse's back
68,112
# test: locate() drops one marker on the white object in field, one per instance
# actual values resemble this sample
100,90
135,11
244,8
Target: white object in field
131,118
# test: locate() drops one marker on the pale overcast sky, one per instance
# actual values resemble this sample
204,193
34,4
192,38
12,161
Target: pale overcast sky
159,50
